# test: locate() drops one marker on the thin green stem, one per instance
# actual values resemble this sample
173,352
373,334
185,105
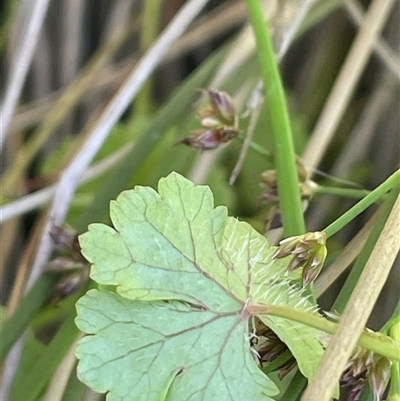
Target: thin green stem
370,199
149,31
395,369
319,189
278,362
5,23
343,192
257,148
284,156
366,340
295,387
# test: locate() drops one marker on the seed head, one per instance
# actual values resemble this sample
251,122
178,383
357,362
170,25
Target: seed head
308,250
219,120
208,139
366,366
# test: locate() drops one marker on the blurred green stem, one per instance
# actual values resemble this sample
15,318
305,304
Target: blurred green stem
149,31
284,156
395,369
343,192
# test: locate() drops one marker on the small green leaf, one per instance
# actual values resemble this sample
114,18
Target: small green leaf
178,327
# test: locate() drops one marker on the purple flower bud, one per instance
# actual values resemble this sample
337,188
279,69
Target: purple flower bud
222,106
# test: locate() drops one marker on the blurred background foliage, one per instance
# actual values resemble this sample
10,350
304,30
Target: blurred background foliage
85,52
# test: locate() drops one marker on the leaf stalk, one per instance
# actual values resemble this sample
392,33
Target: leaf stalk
366,340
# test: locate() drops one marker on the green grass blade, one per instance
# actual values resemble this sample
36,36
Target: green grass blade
284,156
35,382
14,326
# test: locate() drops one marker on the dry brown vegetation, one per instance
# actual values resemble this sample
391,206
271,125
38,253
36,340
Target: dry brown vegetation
95,94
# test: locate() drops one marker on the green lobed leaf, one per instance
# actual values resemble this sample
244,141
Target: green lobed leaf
158,350
184,272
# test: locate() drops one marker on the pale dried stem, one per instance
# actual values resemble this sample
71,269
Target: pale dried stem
206,29
9,233
43,196
9,368
363,133
61,108
356,313
56,388
292,29
21,62
35,111
116,23
255,113
23,267
382,49
203,30
344,86
209,27
71,30
359,140
91,395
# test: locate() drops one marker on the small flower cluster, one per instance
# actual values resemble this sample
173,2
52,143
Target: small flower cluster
269,183
308,250
218,118
270,348
271,193
366,366
70,264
